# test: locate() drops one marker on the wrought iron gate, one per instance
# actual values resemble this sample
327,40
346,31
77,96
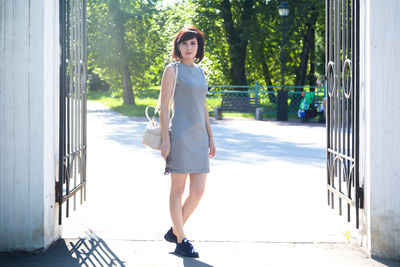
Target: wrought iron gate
72,162
343,94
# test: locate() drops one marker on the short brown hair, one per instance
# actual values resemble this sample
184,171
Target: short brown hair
187,33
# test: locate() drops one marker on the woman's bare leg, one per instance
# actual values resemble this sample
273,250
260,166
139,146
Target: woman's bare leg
197,184
178,181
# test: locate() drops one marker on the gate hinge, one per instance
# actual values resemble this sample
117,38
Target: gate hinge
57,191
361,197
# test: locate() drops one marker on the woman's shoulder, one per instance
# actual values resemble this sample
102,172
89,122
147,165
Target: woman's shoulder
170,68
201,68
172,65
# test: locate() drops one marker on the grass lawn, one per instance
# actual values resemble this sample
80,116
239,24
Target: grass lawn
149,96
142,98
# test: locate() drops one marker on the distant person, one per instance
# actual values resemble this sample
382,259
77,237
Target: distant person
190,143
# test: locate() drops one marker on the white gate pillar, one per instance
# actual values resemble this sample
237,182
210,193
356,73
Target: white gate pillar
380,125
29,120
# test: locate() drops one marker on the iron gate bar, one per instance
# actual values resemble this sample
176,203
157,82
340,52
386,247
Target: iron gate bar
72,162
356,71
342,73
61,176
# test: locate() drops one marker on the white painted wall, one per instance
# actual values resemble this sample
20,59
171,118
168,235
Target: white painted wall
380,125
29,96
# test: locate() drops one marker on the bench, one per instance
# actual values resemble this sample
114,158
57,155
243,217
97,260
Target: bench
242,104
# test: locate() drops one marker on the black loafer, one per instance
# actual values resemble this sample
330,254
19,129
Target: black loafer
171,237
186,249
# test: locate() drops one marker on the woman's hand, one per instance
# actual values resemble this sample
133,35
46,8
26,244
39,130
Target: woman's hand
211,154
165,148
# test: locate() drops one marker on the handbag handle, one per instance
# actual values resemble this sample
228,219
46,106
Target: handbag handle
155,112
172,100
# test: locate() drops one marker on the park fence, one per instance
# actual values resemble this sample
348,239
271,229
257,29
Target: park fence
267,96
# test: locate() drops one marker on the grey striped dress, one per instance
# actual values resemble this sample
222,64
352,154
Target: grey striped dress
189,138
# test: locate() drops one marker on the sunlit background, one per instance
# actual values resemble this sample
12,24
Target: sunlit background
168,2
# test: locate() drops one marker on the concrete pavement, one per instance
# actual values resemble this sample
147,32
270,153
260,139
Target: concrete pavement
265,202
100,252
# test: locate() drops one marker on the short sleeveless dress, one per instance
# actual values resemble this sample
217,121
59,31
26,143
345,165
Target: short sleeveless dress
188,135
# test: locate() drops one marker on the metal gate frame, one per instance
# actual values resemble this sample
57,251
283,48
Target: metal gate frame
72,135
343,98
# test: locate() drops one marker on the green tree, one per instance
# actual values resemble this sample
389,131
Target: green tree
169,21
264,46
235,19
122,43
130,42
248,34
305,24
311,11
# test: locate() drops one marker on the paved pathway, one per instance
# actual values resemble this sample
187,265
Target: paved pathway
265,201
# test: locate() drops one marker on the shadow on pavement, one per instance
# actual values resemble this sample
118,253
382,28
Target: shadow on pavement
90,251
190,262
388,263
94,251
230,142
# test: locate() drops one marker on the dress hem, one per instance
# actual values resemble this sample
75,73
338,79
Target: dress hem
186,171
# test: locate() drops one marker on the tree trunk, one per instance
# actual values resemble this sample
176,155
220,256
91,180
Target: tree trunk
236,40
238,62
266,74
127,93
268,82
302,70
118,18
312,78
308,42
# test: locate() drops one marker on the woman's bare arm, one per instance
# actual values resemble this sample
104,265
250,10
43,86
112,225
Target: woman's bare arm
209,132
167,84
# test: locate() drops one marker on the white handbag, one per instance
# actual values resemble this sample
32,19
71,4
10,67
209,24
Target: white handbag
152,135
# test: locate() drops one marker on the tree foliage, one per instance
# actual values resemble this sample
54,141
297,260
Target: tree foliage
123,40
243,40
257,26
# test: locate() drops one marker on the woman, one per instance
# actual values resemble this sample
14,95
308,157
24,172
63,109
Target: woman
189,145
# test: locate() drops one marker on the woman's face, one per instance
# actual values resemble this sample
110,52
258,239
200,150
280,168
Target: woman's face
189,49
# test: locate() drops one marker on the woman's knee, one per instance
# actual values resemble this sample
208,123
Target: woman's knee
197,185
177,191
178,182
197,192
